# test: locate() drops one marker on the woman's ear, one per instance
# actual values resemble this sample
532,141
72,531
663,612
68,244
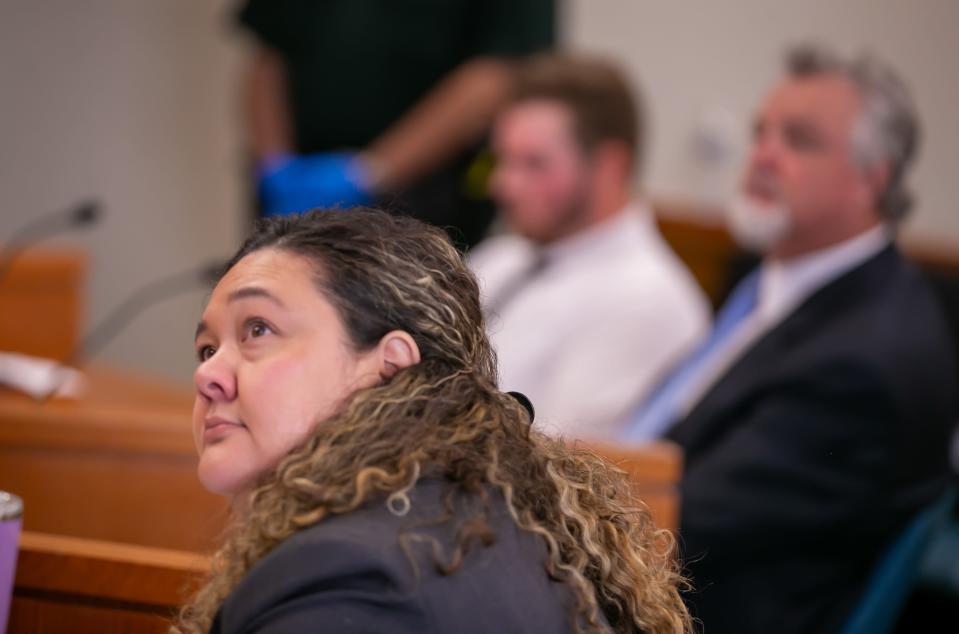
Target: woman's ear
397,350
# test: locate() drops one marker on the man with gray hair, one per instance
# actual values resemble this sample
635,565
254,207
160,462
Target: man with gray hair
815,418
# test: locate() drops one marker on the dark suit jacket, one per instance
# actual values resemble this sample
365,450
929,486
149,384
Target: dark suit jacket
349,573
814,450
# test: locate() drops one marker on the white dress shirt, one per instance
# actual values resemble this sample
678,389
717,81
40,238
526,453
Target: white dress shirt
586,336
783,286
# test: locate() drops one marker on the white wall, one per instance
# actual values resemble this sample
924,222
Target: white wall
704,63
130,101
135,102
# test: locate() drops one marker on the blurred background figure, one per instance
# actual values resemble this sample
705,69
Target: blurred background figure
354,102
586,303
815,420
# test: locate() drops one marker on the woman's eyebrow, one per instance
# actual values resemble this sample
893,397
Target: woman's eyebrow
254,291
241,293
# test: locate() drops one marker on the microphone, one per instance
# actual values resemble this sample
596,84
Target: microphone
142,298
84,214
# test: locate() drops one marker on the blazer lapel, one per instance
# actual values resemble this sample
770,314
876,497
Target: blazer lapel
715,413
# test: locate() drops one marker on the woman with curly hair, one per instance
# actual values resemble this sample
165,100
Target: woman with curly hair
347,402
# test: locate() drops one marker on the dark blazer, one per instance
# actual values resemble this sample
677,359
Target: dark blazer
350,573
814,450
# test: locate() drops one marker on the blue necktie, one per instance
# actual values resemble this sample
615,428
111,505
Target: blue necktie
663,407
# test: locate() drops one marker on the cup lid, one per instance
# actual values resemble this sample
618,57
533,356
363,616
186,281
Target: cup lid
11,506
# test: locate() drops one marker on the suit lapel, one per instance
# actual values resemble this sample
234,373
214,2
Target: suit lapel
715,413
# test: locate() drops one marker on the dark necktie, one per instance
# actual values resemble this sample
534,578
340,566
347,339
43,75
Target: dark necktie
517,283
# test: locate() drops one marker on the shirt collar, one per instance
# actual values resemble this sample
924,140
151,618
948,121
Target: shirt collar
784,284
599,238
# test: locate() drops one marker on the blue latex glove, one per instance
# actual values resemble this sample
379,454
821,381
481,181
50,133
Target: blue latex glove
291,184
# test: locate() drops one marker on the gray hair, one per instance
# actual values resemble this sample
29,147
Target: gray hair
887,130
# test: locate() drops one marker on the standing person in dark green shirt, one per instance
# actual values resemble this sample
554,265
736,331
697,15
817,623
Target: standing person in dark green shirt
351,101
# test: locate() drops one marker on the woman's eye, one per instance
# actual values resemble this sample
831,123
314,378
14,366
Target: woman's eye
257,329
204,353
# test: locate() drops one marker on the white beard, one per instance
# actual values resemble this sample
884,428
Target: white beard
757,226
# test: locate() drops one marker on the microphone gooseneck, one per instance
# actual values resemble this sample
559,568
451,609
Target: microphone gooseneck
82,215
139,300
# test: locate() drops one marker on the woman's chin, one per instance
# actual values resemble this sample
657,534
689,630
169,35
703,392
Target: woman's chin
220,474
219,484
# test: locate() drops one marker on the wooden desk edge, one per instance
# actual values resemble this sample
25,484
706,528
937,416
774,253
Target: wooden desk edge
65,546
106,570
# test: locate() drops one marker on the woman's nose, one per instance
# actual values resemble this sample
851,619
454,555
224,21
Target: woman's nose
215,378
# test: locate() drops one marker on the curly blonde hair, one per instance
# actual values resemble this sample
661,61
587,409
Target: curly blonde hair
442,417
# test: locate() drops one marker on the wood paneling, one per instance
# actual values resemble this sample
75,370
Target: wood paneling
654,470
705,247
41,297
66,584
118,464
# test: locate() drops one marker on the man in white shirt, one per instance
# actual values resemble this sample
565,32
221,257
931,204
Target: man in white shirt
815,418
586,303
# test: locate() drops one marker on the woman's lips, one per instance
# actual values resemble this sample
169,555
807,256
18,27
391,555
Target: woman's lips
215,429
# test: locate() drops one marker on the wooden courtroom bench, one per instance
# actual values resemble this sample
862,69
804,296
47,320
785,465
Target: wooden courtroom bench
704,246
117,464
654,470
67,584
